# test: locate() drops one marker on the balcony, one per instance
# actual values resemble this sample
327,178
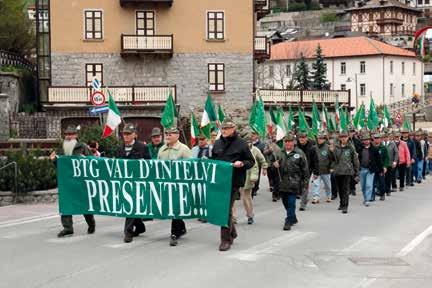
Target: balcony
388,21
261,48
304,98
124,3
123,95
262,8
141,44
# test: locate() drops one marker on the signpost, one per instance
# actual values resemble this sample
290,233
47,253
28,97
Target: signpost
94,111
97,98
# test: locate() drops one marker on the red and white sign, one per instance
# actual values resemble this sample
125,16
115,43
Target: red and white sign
97,98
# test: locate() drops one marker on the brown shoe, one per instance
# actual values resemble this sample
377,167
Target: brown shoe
224,246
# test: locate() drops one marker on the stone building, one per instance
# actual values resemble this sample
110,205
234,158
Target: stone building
143,50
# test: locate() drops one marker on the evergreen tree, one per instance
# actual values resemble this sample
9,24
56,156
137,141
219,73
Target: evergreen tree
302,77
319,72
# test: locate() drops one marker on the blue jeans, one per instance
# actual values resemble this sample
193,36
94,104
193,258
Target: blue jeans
429,166
419,170
316,185
289,202
366,181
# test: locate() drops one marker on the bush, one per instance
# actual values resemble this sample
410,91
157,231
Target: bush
34,172
93,133
294,7
328,17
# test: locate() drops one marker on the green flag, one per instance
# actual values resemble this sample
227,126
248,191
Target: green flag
257,118
221,114
387,119
303,125
316,123
359,118
406,125
290,122
280,124
169,113
372,123
343,120
273,114
209,117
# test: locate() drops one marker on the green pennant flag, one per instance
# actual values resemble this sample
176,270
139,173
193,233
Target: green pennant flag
290,122
169,113
257,118
273,114
407,125
372,122
359,117
221,114
280,124
387,119
303,125
343,120
316,123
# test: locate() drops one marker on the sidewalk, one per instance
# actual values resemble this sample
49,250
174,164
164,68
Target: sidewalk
27,212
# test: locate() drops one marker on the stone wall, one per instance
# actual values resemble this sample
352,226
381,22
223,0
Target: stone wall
188,72
47,196
10,94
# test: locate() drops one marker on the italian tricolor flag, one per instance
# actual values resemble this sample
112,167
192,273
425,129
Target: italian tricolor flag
113,119
194,130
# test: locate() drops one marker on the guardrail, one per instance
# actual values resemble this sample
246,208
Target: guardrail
147,43
304,97
15,60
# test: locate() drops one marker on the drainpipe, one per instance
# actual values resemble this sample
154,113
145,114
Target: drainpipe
383,82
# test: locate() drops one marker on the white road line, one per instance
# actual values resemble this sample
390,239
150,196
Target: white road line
354,246
272,246
415,242
28,220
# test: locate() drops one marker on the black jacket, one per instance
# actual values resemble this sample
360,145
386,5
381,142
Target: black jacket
375,163
139,151
233,149
309,149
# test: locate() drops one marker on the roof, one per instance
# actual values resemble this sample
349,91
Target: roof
374,4
337,47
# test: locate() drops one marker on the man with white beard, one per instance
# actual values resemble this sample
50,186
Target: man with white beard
72,147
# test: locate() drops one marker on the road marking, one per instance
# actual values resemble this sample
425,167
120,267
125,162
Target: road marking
366,282
415,242
354,246
28,220
272,246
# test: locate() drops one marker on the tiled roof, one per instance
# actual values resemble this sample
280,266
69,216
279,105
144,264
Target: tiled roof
373,4
337,47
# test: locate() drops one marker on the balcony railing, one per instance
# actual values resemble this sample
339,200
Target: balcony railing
121,94
304,98
143,2
261,48
385,21
140,44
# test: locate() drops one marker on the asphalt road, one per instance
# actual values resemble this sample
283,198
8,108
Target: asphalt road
388,244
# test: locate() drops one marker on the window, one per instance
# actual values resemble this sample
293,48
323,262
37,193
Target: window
403,68
414,68
391,90
93,24
145,23
362,67
403,90
216,75
215,26
391,67
288,70
343,87
271,71
362,89
343,68
414,89
94,71
420,2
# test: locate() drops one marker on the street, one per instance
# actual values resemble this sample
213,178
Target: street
385,245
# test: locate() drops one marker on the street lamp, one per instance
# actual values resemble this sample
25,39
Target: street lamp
355,83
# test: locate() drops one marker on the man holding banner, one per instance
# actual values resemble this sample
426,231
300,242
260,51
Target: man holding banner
231,148
173,149
132,149
72,147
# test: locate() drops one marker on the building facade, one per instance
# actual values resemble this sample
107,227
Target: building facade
366,67
384,18
146,49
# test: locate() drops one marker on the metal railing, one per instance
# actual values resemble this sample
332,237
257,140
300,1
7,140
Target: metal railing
301,97
15,60
121,94
15,177
141,43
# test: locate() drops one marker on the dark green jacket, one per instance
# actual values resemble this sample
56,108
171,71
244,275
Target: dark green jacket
294,171
385,157
154,150
346,160
325,158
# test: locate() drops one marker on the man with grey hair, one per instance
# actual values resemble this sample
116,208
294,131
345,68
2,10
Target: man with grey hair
72,147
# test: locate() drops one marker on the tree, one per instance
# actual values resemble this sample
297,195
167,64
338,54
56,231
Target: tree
319,80
16,31
302,77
